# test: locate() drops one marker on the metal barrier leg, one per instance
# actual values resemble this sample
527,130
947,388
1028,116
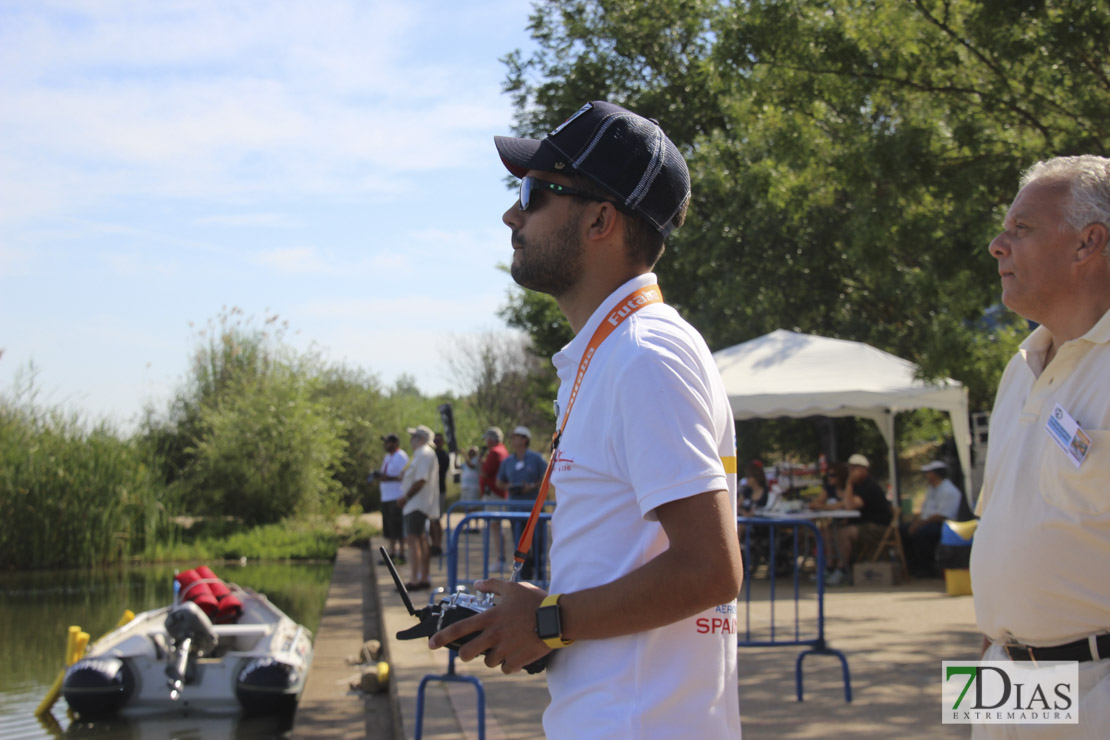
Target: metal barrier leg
824,651
418,732
817,644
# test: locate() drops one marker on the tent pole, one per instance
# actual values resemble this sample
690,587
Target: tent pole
892,459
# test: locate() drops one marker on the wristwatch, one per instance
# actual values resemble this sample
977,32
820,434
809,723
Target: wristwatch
549,623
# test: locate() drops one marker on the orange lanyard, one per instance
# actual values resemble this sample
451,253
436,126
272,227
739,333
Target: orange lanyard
632,303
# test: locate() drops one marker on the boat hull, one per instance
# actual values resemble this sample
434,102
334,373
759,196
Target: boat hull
259,667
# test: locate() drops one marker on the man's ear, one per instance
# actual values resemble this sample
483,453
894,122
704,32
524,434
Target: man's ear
1094,239
604,219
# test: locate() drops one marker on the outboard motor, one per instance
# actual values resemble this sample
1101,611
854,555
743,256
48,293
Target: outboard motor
191,634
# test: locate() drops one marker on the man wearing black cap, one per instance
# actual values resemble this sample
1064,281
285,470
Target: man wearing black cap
645,565
389,483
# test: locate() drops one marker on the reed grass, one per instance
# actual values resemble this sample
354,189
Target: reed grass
71,494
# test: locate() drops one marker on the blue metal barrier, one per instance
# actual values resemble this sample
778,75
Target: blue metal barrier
459,566
456,537
494,507
765,541
450,676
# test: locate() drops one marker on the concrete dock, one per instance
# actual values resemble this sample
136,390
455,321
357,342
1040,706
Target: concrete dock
894,638
329,708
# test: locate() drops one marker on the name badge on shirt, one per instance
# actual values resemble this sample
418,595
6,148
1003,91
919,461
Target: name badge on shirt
520,465
1067,433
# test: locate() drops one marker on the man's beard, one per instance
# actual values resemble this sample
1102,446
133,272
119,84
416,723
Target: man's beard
552,265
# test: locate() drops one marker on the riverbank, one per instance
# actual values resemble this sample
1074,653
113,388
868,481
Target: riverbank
894,639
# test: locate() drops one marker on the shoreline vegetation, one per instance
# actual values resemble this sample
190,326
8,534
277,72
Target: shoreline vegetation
261,452
264,453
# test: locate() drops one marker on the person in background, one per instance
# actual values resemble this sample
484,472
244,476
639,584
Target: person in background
865,495
521,474
753,494
389,483
1040,553
831,496
492,492
435,526
420,483
470,472
921,536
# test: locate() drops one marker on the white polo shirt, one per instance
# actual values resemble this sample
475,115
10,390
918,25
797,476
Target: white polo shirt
1040,554
393,465
422,466
650,425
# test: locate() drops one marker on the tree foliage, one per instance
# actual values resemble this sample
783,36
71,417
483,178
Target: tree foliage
504,382
850,159
268,450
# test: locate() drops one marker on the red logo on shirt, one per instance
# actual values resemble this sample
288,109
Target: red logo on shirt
711,626
725,625
561,462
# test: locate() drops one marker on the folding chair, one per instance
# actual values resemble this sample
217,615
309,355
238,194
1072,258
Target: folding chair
892,537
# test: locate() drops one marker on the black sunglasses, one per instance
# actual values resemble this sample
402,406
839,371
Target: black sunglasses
529,186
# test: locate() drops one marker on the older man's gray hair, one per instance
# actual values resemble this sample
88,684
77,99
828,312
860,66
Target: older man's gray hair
1088,178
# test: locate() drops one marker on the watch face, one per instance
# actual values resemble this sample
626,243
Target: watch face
547,622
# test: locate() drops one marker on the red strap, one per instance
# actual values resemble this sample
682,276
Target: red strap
632,303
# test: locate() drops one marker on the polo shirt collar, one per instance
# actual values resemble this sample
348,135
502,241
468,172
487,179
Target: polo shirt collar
1100,332
572,352
1035,346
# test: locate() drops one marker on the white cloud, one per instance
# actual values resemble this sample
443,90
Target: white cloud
269,220
297,261
199,99
155,157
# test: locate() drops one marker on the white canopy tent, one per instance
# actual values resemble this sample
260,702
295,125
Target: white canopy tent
797,375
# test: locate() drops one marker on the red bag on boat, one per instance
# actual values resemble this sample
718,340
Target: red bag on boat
230,607
196,592
230,610
219,588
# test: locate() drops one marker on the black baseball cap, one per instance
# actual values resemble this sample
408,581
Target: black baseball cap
391,438
623,152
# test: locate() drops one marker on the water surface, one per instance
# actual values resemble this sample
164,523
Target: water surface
37,608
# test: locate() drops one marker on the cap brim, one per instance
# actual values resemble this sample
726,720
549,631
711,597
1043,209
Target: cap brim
521,155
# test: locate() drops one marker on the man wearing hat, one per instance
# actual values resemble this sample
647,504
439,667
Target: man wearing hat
920,537
389,483
865,495
645,564
420,501
521,474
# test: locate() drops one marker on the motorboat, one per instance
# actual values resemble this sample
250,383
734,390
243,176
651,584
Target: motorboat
218,648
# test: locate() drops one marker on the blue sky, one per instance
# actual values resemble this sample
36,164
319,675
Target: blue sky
330,162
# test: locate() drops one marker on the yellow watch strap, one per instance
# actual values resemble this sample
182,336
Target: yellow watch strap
554,642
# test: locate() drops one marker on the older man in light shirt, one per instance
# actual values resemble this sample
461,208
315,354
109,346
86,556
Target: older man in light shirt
1038,565
920,536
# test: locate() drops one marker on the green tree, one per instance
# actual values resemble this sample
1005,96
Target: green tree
850,160
251,434
505,383
268,450
355,398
